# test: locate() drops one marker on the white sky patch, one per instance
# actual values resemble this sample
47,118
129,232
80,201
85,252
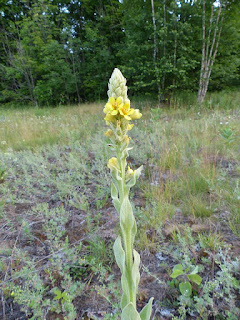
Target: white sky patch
216,3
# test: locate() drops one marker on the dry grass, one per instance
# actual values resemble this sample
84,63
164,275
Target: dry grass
33,127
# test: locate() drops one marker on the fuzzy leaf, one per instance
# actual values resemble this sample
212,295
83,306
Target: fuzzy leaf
119,254
126,214
116,204
125,297
124,300
114,191
130,313
135,269
146,312
134,230
195,278
185,289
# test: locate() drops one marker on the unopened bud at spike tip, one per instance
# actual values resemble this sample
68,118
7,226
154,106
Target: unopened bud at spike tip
117,85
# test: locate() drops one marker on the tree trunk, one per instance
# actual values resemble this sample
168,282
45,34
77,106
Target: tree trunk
164,42
208,56
155,50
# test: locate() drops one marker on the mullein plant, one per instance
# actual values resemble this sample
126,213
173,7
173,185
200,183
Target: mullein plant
119,114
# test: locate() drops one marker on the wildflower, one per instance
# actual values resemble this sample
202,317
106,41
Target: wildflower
112,107
109,133
126,139
118,112
109,118
126,111
129,173
136,114
113,164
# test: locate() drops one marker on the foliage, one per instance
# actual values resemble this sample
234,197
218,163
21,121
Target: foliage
62,52
185,287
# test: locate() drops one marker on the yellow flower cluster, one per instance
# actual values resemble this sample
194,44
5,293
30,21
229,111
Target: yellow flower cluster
115,109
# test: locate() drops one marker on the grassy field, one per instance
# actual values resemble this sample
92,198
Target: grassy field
58,224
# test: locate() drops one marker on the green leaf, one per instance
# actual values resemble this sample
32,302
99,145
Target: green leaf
135,269
58,294
126,214
195,278
125,288
134,230
116,204
176,273
124,300
130,313
178,267
146,312
185,289
235,283
119,254
195,270
114,191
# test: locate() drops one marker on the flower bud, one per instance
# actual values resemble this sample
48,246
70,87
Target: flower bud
136,114
117,85
126,139
130,126
130,171
109,133
113,164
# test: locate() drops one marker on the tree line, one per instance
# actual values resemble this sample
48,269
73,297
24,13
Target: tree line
60,52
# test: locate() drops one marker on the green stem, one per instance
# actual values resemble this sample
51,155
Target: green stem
129,264
127,237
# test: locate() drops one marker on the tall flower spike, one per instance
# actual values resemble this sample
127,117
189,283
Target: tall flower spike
117,86
118,115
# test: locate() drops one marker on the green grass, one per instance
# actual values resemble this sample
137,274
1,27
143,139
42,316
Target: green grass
34,127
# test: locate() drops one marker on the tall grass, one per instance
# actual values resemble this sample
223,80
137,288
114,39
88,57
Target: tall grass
30,128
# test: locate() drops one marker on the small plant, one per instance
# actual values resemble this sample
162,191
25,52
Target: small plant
118,114
156,113
210,241
185,280
228,135
3,174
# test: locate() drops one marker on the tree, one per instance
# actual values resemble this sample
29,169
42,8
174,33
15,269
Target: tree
211,35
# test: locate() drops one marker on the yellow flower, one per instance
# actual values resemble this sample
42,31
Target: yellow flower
130,126
109,133
130,171
126,139
109,118
113,164
136,114
112,107
126,111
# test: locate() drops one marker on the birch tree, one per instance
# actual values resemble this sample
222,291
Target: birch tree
211,35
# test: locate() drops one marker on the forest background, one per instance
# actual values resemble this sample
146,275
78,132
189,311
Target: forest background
61,52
